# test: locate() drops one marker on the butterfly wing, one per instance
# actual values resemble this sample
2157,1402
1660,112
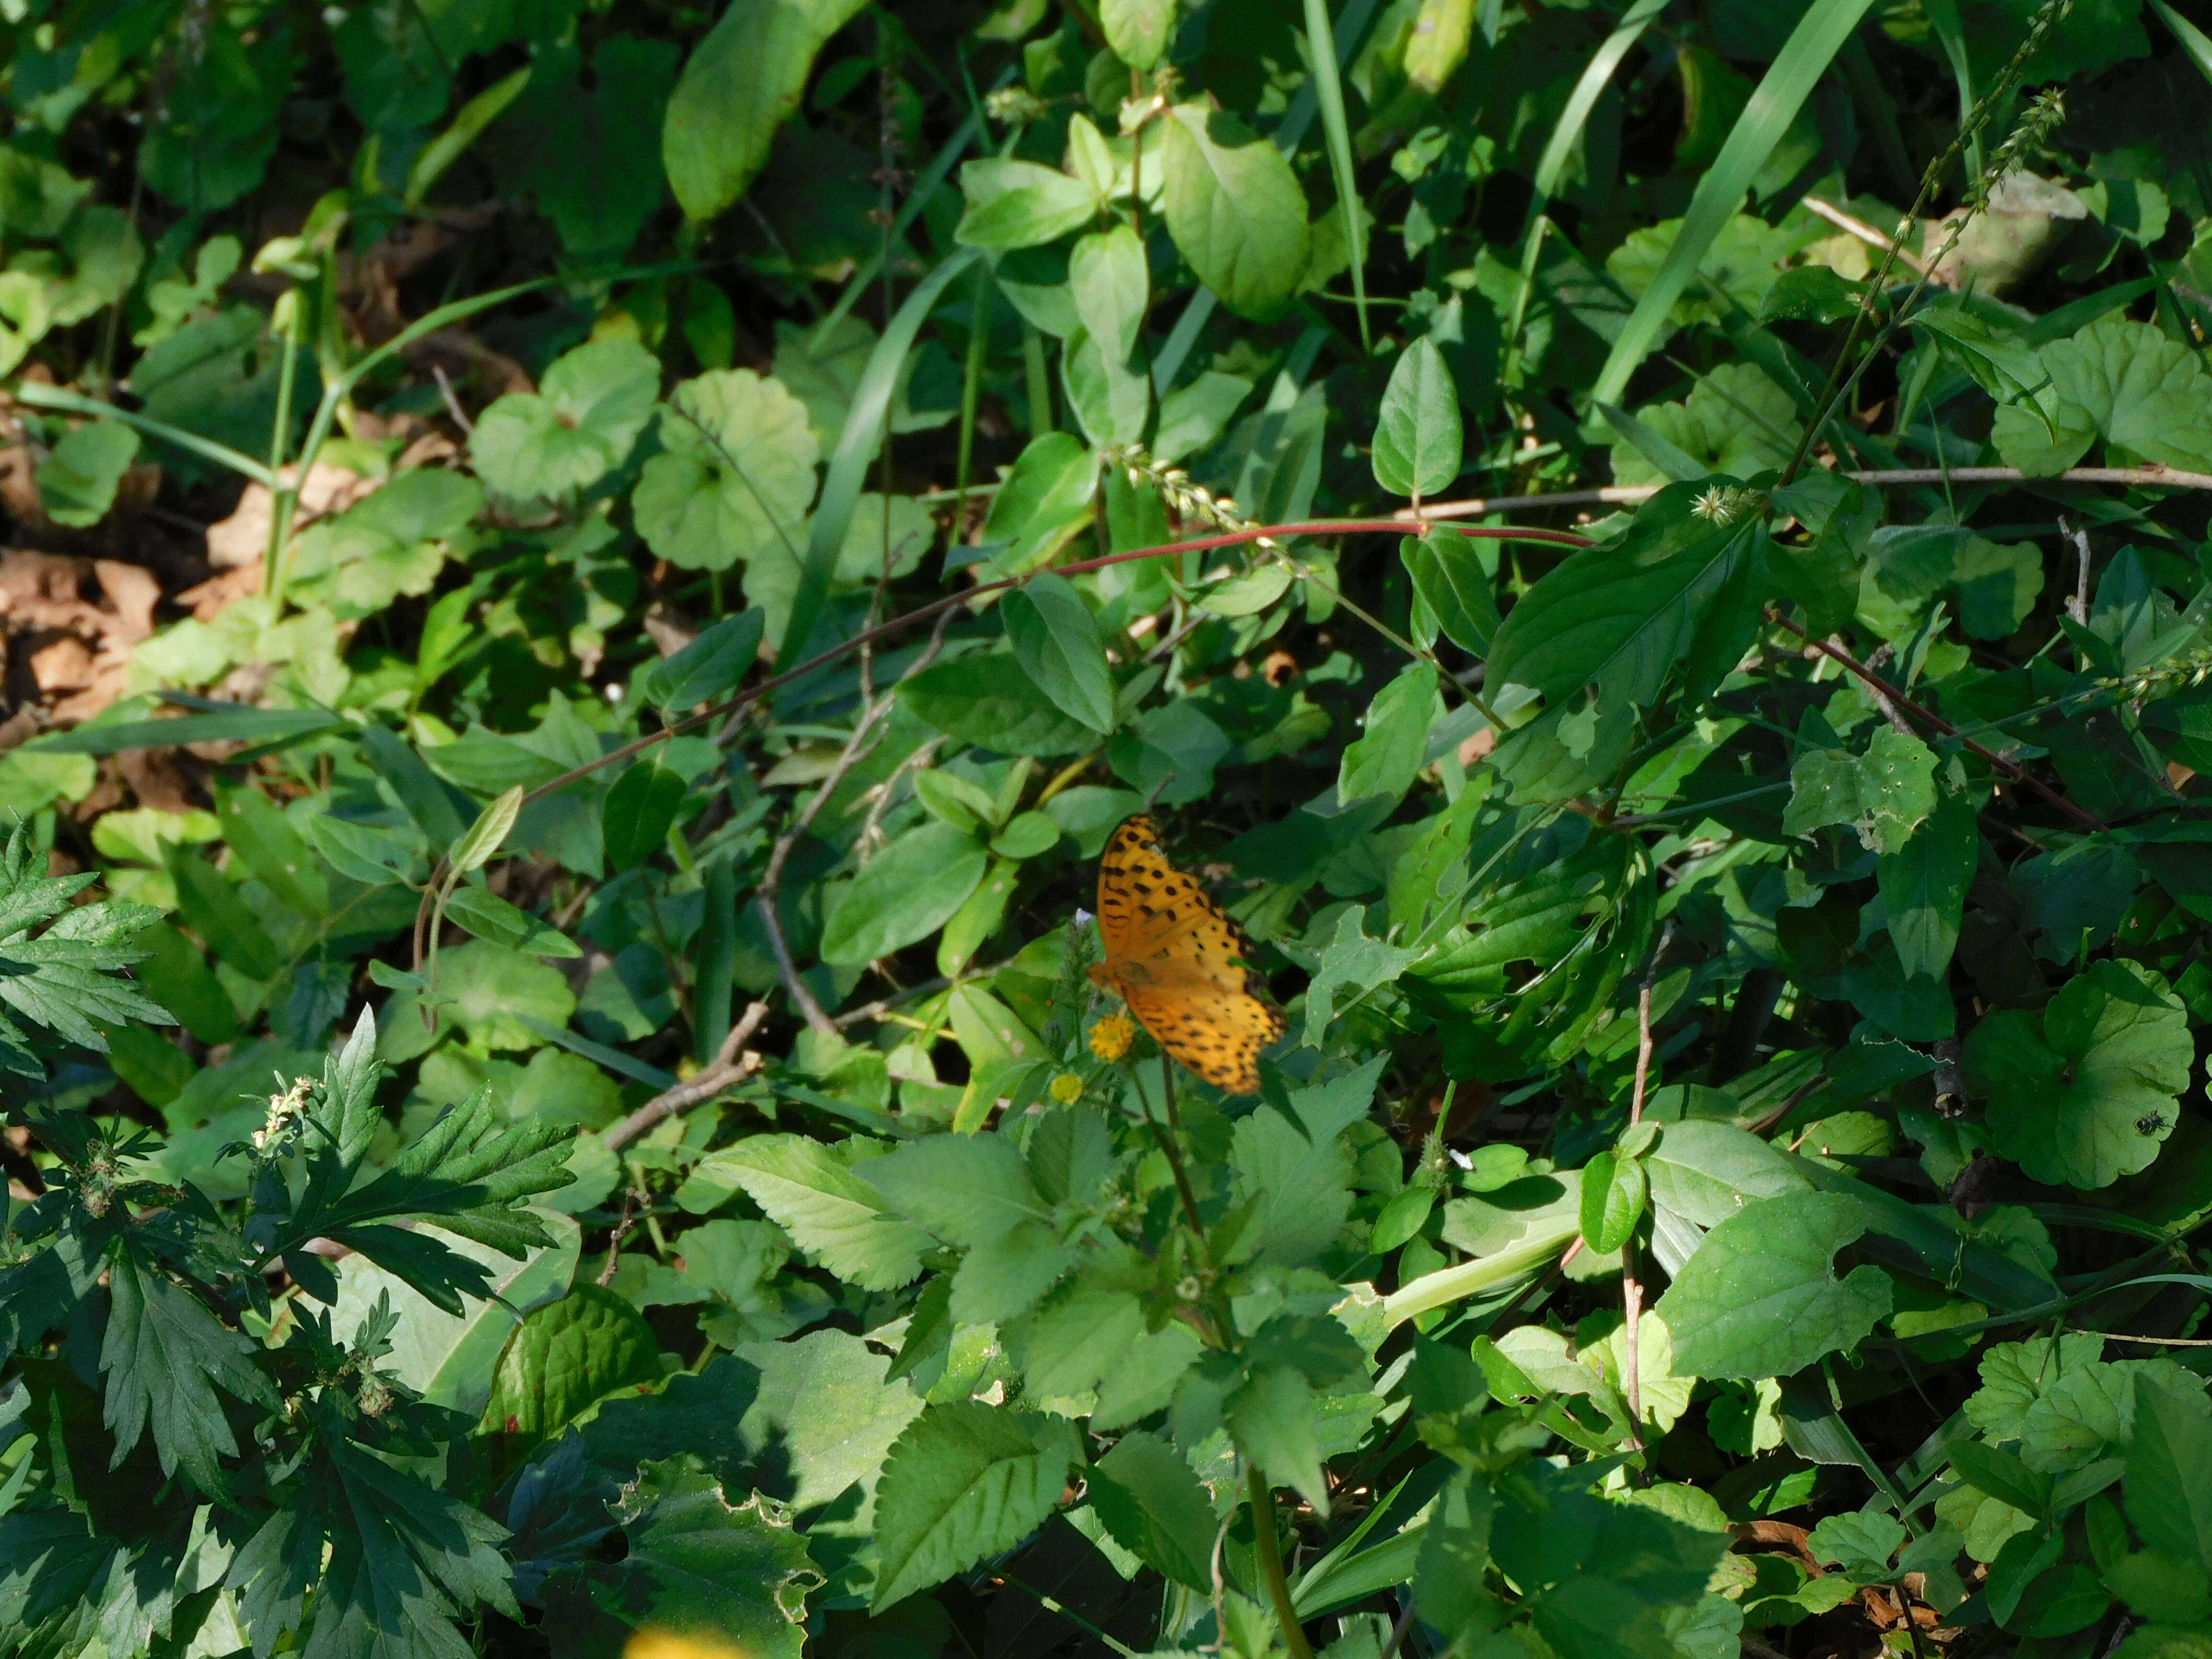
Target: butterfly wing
1194,993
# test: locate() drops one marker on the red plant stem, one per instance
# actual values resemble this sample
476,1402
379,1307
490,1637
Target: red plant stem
2012,769
1306,527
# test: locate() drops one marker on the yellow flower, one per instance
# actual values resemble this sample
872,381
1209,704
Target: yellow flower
1111,1036
1067,1088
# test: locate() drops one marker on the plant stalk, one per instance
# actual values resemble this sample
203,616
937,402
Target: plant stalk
1269,1548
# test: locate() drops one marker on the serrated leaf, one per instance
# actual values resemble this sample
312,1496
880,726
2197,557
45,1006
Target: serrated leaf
701,1565
2120,381
965,1481
1157,1508
837,1217
163,1356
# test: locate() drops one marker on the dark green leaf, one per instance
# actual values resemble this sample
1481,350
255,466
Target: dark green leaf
639,811
1457,579
1057,642
1760,1297
1156,1509
965,1481
743,80
566,1356
710,665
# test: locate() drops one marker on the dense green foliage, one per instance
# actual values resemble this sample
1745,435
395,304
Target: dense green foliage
602,575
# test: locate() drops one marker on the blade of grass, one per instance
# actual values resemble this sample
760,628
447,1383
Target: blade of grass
924,187
1351,25
1788,82
856,446
1336,132
1576,116
71,403
2194,40
1951,35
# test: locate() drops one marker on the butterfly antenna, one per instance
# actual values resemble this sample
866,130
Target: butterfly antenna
1159,789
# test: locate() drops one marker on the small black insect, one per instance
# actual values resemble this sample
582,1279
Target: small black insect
2150,1123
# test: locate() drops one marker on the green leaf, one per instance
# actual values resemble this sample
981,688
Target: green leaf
77,480
1234,209
1676,591
1389,755
1457,579
494,989
480,911
1042,500
274,727
1760,1297
1860,1542
864,424
742,82
709,666
394,542
908,891
1417,439
1350,960
210,904
1824,578
1078,1336
362,851
972,1191
810,1191
163,1356
966,1480
1299,1184
581,423
275,853
1273,1420
487,835
1057,642
1735,421
735,474
566,1356
2084,1092
700,1566
1157,1508
1923,886
1612,1195
2119,380
1013,204
2169,1462
1138,30
639,811
1885,794
993,703
1796,70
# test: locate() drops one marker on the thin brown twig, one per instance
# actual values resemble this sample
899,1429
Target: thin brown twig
730,1064
1855,226
1875,682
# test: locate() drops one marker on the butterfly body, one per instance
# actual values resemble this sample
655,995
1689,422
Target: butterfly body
1180,962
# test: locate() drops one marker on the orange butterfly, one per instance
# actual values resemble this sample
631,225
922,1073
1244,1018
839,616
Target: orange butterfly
1180,962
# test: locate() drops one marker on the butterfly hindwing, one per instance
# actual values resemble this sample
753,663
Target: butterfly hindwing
1190,985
